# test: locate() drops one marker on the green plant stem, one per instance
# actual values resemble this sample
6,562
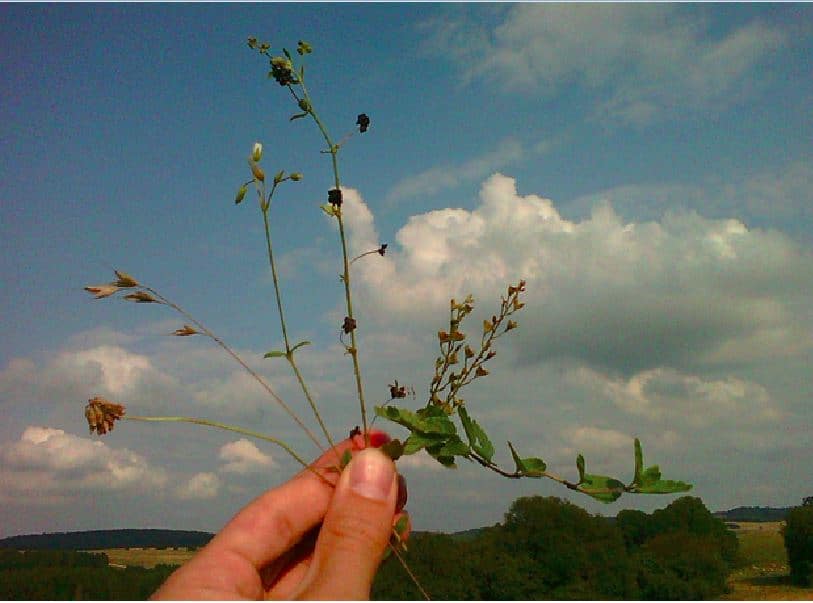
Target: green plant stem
568,484
353,350
223,426
240,361
289,355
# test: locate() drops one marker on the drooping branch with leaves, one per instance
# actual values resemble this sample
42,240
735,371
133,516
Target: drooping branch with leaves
462,359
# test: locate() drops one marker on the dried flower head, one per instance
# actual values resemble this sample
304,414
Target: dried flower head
334,197
282,70
124,280
363,122
102,414
348,325
141,297
101,291
185,331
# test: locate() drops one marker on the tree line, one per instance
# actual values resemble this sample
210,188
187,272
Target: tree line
548,548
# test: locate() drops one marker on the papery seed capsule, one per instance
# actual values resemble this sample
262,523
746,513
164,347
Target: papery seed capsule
257,171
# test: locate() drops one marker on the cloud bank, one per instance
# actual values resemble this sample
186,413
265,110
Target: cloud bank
643,61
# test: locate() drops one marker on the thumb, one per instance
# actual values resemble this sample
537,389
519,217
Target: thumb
356,529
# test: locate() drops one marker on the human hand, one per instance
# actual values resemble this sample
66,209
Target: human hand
305,539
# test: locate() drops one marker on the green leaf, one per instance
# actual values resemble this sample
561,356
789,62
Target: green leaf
477,437
393,449
275,354
297,116
452,446
639,462
602,482
648,481
328,209
665,486
418,441
415,422
287,54
530,466
346,458
591,484
300,344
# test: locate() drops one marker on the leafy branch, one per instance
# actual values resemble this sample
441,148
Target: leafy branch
432,429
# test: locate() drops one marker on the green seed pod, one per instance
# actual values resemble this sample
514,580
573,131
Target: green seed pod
240,194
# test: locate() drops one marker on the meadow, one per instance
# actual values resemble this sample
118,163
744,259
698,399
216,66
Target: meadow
763,573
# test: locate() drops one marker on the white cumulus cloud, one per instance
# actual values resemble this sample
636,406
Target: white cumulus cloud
202,485
680,291
48,464
642,61
244,457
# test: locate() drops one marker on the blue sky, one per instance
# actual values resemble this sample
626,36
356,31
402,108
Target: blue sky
647,169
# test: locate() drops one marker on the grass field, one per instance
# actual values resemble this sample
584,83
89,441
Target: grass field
764,572
146,557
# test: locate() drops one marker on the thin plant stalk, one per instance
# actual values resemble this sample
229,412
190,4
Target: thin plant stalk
353,349
225,427
241,362
265,205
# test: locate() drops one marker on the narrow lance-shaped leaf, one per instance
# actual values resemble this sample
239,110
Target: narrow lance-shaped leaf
300,344
528,467
274,354
648,481
477,437
601,487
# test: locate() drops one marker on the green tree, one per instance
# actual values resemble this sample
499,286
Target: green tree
798,533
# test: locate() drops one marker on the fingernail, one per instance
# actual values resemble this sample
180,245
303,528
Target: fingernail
371,474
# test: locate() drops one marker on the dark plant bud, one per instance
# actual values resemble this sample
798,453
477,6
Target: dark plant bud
334,197
252,42
303,48
383,249
348,325
363,122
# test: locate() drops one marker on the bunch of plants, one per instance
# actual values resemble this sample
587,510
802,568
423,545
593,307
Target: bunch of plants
443,424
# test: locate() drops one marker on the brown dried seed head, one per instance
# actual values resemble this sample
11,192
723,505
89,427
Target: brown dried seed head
469,352
511,325
102,414
125,280
481,372
101,291
443,336
141,297
185,331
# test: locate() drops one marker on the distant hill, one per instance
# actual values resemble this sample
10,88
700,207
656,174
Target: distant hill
107,539
754,514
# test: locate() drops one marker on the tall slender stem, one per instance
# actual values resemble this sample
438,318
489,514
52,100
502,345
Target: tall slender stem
289,355
223,426
334,149
239,361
